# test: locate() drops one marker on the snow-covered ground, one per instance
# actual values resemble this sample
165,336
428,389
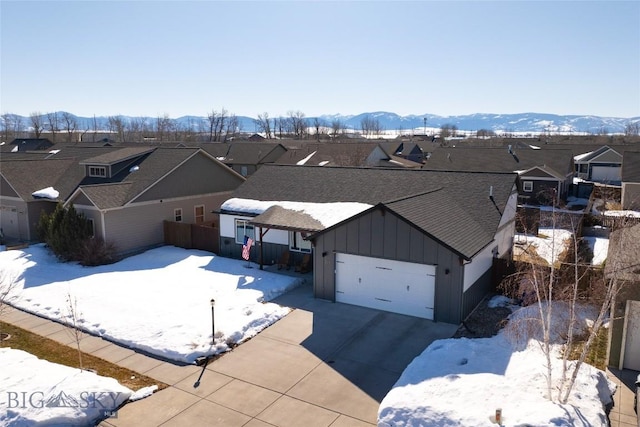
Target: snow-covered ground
462,382
158,301
549,243
600,247
38,392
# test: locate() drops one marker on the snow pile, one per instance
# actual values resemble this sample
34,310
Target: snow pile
599,247
461,382
327,214
158,301
46,193
549,243
35,391
626,214
306,159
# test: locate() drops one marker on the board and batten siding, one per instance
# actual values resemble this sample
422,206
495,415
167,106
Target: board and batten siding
631,195
384,235
14,219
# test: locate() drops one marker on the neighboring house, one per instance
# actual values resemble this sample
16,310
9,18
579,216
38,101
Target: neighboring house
631,180
623,265
20,179
343,154
245,157
415,242
603,165
128,193
545,175
406,150
26,144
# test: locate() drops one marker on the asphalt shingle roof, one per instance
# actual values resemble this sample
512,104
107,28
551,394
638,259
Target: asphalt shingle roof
454,207
499,159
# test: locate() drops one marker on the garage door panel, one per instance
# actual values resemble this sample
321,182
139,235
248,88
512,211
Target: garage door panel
606,173
396,286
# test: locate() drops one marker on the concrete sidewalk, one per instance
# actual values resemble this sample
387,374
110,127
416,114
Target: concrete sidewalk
322,365
622,413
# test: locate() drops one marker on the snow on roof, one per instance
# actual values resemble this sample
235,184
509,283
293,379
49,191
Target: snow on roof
534,147
628,214
303,161
324,162
46,193
577,180
581,156
327,213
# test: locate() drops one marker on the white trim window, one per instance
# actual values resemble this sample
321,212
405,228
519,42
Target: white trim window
527,186
198,214
177,214
297,243
98,171
243,228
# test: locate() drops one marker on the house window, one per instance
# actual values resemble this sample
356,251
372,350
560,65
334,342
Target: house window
177,215
243,171
98,171
527,186
297,243
91,228
243,228
198,214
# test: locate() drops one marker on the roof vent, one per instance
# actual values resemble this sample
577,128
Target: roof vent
491,191
510,149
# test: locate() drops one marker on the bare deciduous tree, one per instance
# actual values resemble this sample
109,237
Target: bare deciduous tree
298,123
12,127
370,126
70,124
73,319
337,127
116,125
263,123
36,121
53,125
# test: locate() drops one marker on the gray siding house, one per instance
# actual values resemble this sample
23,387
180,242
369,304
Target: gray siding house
128,197
631,180
415,242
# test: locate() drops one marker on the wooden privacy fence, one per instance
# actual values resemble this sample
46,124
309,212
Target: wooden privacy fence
205,236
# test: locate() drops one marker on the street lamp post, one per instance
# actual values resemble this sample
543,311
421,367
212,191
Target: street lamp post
213,321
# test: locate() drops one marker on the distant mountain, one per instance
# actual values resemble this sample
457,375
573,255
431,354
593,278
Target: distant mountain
522,122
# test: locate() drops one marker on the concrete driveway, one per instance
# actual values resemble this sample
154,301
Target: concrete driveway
324,364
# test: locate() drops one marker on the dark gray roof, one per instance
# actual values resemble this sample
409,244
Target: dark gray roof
27,176
118,155
244,153
334,154
499,159
631,166
453,207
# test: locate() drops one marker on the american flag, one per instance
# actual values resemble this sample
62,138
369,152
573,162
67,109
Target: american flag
246,247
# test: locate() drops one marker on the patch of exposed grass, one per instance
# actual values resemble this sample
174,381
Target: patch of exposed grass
597,355
55,352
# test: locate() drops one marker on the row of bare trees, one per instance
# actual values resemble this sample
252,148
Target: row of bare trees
218,126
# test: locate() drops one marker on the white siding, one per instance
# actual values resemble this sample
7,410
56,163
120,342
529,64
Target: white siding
228,229
476,268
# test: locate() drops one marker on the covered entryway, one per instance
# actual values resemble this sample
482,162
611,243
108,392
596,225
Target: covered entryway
390,285
631,339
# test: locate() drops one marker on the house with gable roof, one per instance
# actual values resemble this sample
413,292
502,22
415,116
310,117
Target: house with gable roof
603,164
415,242
128,194
545,175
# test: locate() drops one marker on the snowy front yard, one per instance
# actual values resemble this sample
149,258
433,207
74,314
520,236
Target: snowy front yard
158,301
462,382
37,392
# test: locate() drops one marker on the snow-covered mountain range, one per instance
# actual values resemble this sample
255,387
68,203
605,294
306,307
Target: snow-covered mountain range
520,122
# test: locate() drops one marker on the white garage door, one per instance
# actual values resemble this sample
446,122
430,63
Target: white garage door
401,287
631,359
605,173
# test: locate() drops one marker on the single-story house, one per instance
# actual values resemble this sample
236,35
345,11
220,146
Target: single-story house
545,175
416,242
127,194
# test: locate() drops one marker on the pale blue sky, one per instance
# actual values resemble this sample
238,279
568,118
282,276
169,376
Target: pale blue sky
446,58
